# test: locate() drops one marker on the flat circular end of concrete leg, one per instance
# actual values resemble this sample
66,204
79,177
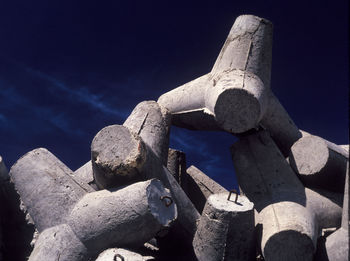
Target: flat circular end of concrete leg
237,110
119,254
161,204
222,202
289,245
309,155
117,156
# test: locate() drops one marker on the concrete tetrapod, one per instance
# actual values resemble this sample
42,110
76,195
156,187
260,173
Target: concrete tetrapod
152,122
46,187
289,229
201,187
120,157
226,229
319,163
235,96
336,247
127,217
234,86
59,243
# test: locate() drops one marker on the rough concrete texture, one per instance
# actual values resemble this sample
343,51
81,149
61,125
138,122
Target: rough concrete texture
318,163
326,205
210,239
153,166
127,217
120,156
235,96
235,86
152,123
120,254
59,243
117,156
289,229
46,187
226,229
335,247
85,177
200,187
281,127
177,167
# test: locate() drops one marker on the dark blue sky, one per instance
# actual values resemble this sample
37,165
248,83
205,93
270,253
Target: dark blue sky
70,68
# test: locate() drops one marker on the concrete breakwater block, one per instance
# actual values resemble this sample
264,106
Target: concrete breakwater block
289,229
127,217
226,229
121,254
336,246
46,187
235,96
319,163
200,187
59,243
121,157
245,60
117,157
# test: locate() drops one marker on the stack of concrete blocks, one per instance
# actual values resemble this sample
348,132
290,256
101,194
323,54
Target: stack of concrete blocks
135,200
295,180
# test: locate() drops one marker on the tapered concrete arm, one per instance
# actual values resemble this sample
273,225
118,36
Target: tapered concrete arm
248,47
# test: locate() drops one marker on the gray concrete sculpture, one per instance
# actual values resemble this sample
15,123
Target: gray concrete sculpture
134,200
200,187
46,187
319,163
226,229
120,156
235,96
289,229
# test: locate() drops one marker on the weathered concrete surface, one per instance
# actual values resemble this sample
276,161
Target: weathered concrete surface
235,96
289,229
120,254
46,187
120,156
117,157
85,177
127,217
177,167
335,247
152,123
59,243
200,187
326,205
234,87
281,127
319,163
226,229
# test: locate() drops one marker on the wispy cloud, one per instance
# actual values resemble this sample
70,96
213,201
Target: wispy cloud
2,118
84,95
